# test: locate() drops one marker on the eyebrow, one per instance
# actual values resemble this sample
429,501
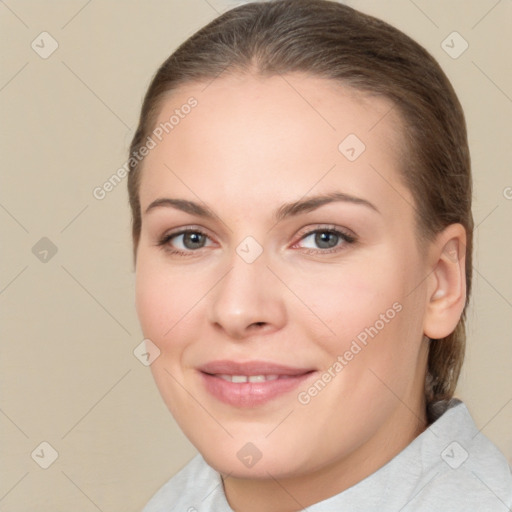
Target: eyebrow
286,210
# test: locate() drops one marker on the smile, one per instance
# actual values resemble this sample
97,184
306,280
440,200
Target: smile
250,384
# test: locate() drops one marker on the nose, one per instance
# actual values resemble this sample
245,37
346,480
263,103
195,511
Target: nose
248,300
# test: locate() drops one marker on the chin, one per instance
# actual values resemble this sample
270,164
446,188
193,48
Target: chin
255,460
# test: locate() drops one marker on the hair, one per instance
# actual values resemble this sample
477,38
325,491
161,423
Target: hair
330,40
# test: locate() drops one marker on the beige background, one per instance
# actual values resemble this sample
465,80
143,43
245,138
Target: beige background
68,373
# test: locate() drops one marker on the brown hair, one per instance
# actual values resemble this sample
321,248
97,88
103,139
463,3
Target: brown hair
333,41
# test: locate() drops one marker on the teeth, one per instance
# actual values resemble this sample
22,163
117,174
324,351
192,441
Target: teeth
244,378
257,378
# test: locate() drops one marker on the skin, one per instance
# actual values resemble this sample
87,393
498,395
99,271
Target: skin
251,145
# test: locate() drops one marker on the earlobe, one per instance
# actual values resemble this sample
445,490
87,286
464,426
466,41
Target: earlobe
446,293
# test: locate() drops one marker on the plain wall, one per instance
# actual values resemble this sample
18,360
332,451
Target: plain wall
68,375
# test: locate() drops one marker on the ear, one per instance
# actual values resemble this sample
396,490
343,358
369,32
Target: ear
446,285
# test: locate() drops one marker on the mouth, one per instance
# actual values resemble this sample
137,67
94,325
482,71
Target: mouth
252,383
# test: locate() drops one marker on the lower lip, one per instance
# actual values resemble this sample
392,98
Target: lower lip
250,394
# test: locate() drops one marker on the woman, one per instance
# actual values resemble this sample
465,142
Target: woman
301,196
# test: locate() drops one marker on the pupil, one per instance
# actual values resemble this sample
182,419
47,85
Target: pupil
193,240
326,239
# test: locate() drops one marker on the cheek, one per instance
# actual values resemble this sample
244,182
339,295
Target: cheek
150,301
165,308
349,298
367,303
162,300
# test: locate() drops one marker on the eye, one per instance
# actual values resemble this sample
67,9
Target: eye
325,240
184,241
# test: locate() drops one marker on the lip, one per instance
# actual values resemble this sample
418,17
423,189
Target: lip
250,394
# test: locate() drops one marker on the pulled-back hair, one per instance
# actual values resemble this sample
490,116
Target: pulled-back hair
330,40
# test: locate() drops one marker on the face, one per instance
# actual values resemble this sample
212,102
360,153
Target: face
278,273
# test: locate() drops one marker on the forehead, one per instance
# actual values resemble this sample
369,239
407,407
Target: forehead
283,134
260,104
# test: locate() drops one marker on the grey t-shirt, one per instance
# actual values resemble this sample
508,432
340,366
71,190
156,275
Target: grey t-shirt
451,467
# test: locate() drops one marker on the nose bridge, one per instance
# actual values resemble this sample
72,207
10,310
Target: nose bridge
248,294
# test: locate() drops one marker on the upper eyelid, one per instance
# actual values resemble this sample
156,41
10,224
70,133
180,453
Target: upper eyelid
324,227
184,230
302,231
345,233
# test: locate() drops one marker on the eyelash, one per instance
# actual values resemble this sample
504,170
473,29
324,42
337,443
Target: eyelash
345,236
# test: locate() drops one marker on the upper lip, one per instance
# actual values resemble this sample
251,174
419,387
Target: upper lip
226,367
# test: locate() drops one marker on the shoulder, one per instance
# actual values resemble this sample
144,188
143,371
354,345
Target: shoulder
464,469
187,490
